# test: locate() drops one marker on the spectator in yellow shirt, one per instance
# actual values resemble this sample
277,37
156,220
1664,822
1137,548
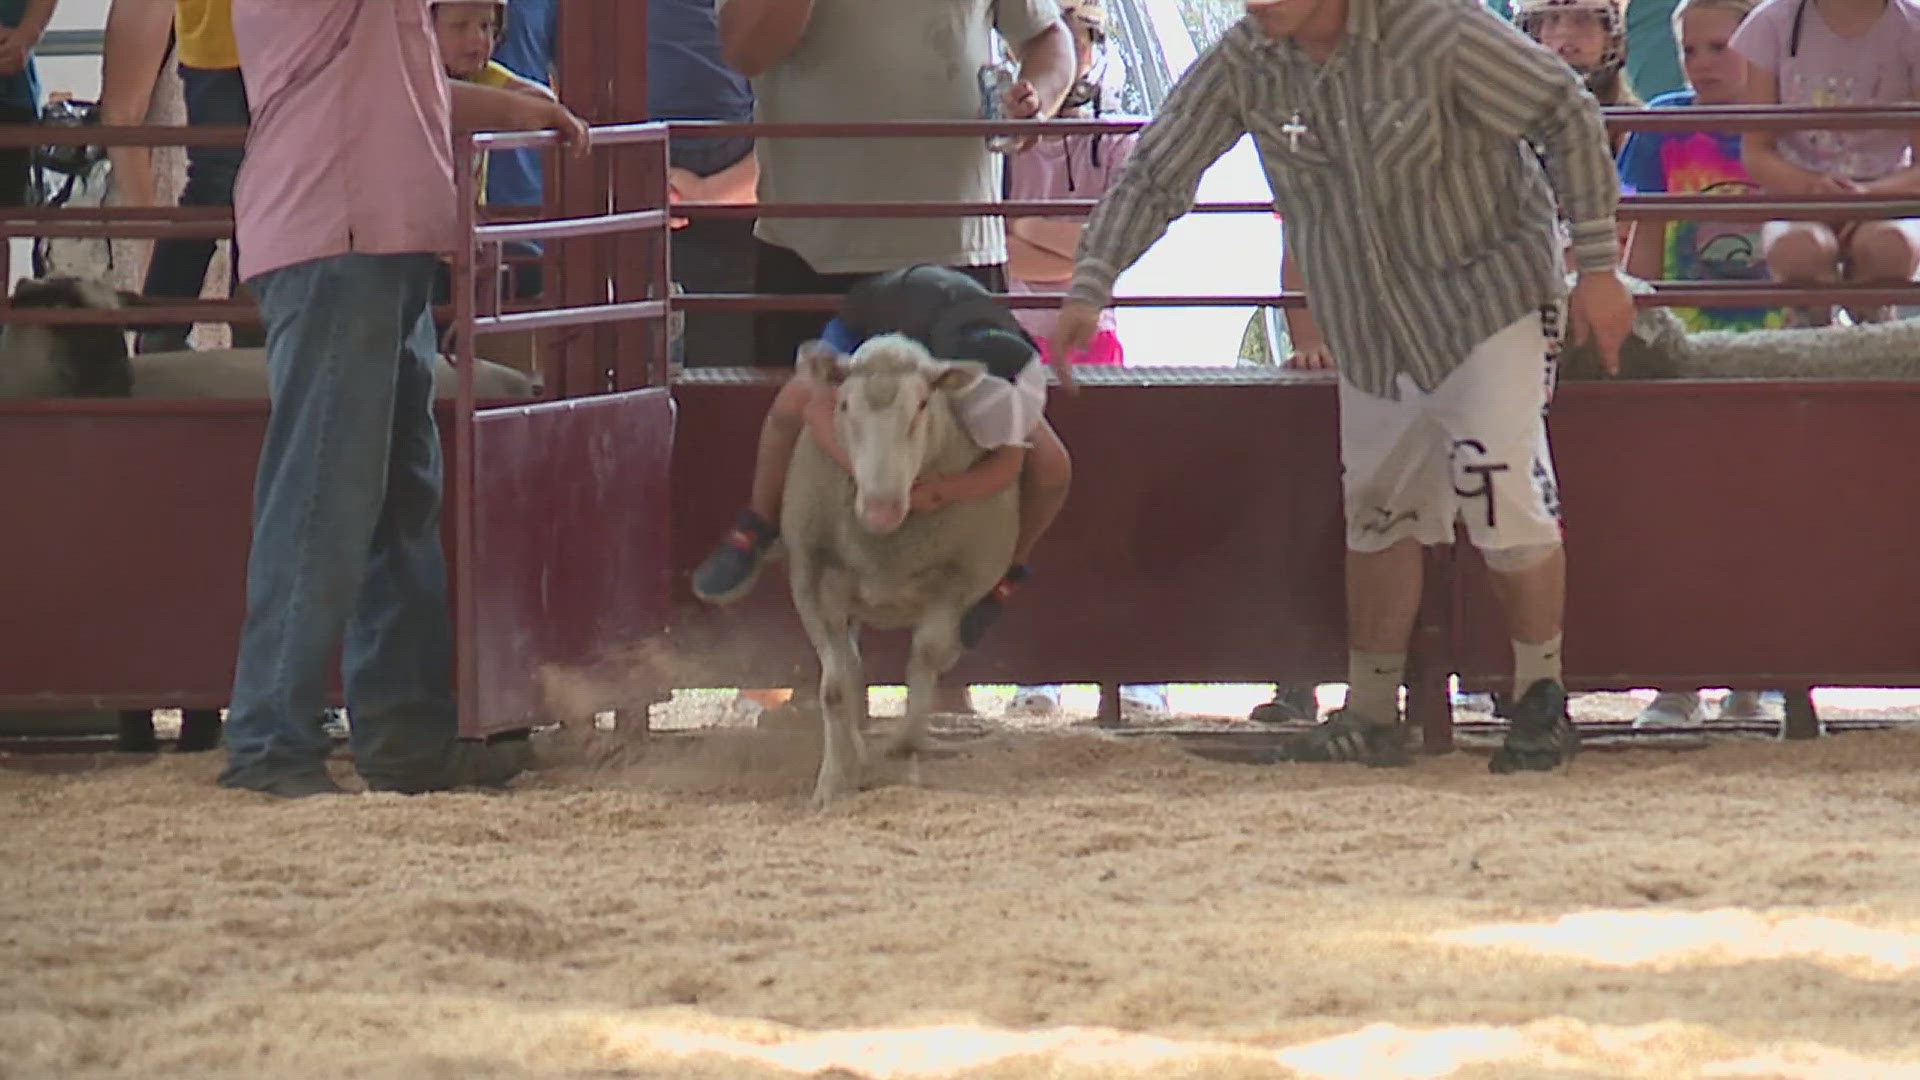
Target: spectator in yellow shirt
467,32
214,94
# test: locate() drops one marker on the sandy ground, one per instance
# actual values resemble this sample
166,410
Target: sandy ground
1057,904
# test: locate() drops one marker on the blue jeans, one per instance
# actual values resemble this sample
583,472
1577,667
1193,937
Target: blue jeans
179,265
346,530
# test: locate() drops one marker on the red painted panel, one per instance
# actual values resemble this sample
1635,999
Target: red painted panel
1202,541
123,554
1730,530
572,542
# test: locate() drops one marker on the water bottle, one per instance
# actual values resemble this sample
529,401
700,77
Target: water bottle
995,81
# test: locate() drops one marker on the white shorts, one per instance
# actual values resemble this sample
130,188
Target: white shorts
999,413
1473,450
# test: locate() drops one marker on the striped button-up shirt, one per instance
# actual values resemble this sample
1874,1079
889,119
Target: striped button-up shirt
1408,169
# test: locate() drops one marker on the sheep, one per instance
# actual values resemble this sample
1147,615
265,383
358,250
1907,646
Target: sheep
853,561
1661,348
92,361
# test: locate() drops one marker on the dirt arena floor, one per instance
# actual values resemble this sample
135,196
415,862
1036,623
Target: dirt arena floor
1058,903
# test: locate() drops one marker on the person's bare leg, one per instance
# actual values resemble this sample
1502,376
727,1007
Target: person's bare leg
730,571
779,434
1045,476
1383,597
1534,599
1043,489
1880,253
1802,253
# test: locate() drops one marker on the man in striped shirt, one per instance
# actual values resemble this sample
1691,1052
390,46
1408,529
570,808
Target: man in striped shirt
1416,149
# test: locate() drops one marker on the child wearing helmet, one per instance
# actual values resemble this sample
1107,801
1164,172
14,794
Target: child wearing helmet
1591,36
466,32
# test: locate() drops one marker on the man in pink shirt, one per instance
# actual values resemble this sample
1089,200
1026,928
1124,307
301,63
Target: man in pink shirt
342,209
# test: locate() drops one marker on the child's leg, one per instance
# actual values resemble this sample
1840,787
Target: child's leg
778,435
1881,253
1803,253
730,571
1044,481
1043,489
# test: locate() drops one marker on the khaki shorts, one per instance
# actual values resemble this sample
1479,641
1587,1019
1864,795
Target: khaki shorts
1474,451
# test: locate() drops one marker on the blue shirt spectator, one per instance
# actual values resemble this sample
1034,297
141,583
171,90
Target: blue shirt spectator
687,80
514,177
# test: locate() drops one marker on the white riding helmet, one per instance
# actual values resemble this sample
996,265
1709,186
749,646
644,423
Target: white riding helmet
1528,15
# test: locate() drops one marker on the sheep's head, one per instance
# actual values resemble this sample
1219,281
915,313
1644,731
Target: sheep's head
67,361
882,398
71,292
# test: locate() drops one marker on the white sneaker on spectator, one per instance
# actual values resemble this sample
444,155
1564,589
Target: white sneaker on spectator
1746,705
1034,701
1671,708
1144,702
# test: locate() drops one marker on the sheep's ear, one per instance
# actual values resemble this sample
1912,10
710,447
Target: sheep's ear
41,292
959,376
821,362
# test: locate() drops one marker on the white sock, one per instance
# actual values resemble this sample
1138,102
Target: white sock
1531,663
1373,684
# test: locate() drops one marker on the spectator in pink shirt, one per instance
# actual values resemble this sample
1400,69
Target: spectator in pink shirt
342,209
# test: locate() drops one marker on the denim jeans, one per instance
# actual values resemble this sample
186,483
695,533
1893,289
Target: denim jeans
179,265
346,530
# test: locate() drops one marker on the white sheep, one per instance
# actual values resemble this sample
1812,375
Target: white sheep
1661,348
851,565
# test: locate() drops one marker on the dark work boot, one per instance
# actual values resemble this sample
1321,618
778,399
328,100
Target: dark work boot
1540,735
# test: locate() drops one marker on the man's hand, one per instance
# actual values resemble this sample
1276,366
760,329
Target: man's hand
1601,308
1311,358
1073,331
1022,102
539,114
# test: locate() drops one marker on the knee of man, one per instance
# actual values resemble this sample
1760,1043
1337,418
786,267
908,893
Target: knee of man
1521,557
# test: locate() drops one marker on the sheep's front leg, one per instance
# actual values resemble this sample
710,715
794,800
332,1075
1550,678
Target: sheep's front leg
936,645
842,696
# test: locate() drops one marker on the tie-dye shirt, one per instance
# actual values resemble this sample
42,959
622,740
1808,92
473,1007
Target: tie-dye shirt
1700,163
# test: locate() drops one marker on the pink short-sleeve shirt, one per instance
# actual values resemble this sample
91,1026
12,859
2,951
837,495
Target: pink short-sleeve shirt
351,145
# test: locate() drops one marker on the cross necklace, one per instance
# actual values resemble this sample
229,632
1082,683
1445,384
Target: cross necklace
1295,128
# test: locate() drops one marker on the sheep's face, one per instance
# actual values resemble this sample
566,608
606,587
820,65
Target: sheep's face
66,361
882,412
69,292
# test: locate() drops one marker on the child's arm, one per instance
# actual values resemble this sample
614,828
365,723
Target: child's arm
988,476
1759,149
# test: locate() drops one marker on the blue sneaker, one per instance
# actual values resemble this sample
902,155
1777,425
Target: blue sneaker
729,573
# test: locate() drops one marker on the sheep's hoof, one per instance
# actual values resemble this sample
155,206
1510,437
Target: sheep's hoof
832,785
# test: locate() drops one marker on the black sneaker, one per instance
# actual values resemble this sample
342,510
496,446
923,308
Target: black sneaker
1540,735
1290,705
975,622
1348,736
729,573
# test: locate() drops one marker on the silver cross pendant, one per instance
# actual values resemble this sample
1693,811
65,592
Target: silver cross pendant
1293,129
